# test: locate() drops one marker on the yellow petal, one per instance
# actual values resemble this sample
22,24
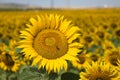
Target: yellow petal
33,21
64,25
36,60
76,44
75,36
72,31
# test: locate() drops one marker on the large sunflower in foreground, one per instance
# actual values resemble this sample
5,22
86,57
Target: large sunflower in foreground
99,71
49,42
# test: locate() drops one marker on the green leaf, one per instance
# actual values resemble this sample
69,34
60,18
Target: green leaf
69,76
29,73
53,76
2,74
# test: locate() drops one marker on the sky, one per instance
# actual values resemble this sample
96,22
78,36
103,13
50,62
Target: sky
67,3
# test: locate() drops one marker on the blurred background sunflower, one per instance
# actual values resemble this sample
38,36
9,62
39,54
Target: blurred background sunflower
82,60
8,58
99,71
111,56
10,61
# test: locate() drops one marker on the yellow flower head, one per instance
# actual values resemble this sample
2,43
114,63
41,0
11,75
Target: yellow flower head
99,71
113,26
107,44
48,40
82,60
101,35
116,33
94,56
118,68
111,56
9,61
3,47
12,44
87,39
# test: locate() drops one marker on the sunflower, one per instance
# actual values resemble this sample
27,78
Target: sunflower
9,61
87,39
111,56
113,26
12,44
99,71
3,47
118,68
101,35
116,33
1,35
107,44
82,60
94,56
106,26
48,40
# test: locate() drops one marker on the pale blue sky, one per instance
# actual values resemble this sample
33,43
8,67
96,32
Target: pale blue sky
64,3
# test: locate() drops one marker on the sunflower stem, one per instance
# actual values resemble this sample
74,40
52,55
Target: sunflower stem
7,76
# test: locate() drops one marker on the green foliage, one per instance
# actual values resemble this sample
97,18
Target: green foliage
28,73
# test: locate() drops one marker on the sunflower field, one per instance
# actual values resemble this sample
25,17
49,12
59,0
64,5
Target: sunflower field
60,44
